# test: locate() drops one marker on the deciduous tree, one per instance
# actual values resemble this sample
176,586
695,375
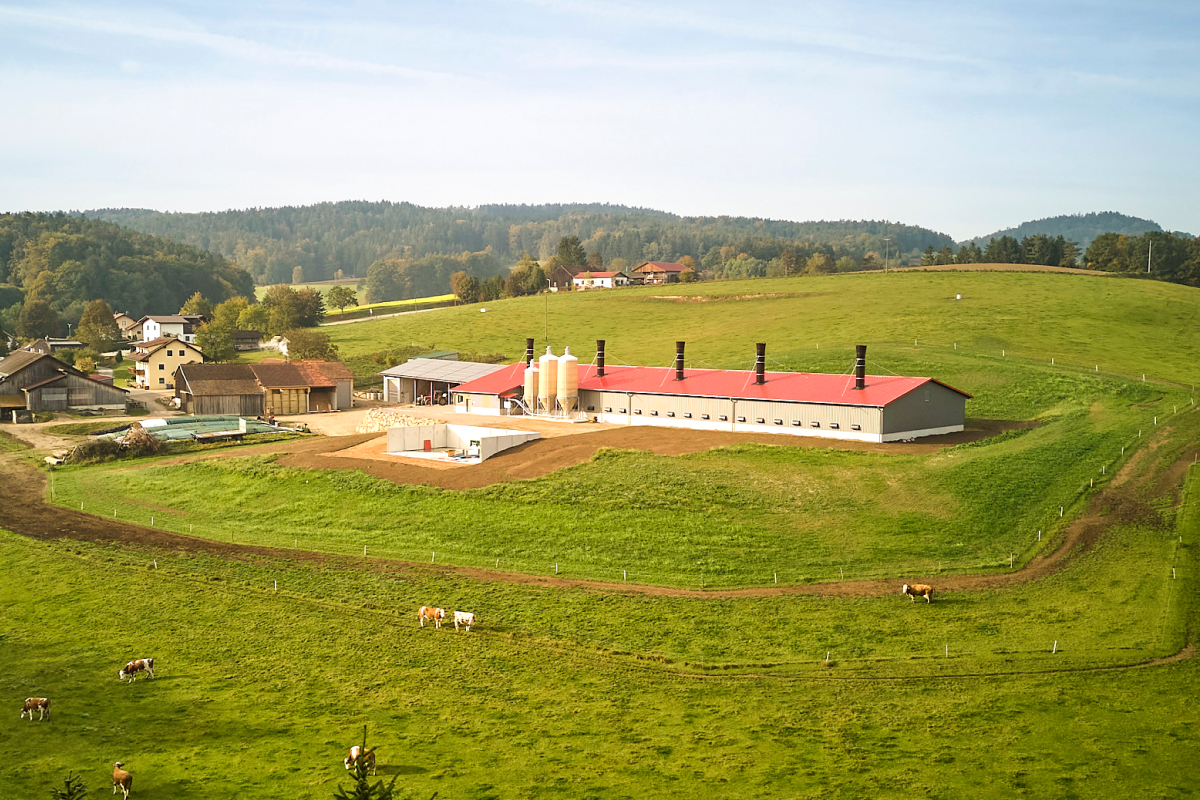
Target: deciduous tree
215,342
97,328
308,343
341,296
38,319
197,304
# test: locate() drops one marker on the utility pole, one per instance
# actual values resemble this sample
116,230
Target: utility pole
1149,254
887,242
547,311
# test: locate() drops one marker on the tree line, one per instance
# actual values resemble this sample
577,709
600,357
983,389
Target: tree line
57,263
350,237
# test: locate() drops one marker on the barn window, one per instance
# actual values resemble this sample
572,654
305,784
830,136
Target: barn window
672,413
654,413
856,427
621,410
704,416
778,422
816,424
608,409
724,418
760,420
637,411
796,423
741,419
687,415
834,425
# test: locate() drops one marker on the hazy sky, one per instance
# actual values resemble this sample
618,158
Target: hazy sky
958,116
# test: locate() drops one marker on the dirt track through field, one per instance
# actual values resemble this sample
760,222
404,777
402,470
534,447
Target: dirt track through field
24,509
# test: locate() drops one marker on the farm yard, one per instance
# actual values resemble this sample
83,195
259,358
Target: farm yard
722,610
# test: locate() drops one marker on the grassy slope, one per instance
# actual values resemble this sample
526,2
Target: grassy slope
1124,326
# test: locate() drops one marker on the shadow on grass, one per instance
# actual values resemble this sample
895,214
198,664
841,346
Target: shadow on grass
401,769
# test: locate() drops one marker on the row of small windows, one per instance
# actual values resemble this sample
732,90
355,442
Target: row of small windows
725,418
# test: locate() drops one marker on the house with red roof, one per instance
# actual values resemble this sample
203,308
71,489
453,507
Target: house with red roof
857,406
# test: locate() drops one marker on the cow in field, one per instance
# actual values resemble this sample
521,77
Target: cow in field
367,755
131,669
918,590
464,618
435,615
121,780
38,704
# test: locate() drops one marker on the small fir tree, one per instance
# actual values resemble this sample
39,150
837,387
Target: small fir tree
73,789
363,789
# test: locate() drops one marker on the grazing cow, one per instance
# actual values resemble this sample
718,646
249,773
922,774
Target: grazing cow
368,758
121,780
436,615
466,618
131,670
38,704
918,590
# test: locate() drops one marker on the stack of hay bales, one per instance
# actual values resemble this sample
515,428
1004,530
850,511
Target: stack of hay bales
379,419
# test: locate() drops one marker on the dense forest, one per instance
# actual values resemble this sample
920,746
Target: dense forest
1079,228
1162,256
344,239
61,262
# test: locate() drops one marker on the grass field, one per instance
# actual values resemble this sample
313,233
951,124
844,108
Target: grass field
1064,687
259,693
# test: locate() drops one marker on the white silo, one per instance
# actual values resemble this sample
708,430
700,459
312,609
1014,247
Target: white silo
531,386
568,382
547,382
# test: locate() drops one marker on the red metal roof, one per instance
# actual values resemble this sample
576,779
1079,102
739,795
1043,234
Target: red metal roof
796,387
600,274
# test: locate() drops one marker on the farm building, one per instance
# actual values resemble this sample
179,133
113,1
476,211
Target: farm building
181,326
48,346
252,390
39,382
658,272
427,380
869,408
246,340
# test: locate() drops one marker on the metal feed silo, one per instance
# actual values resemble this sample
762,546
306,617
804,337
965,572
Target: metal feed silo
531,387
568,382
547,382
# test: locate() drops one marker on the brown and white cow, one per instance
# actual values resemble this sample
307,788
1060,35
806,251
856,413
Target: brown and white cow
435,615
121,779
131,669
368,758
38,704
918,590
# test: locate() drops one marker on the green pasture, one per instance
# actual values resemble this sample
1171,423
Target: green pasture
812,323
570,693
740,516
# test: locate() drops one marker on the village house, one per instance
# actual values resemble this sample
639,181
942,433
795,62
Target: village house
600,280
155,362
127,325
181,326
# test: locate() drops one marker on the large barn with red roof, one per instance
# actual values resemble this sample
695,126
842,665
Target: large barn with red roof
871,408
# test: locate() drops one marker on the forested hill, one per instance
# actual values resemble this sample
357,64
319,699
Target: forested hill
67,260
1078,228
350,236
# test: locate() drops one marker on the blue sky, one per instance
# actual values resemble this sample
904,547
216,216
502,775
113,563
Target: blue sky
958,116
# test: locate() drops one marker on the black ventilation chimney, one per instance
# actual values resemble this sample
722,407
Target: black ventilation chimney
679,361
860,367
599,358
760,363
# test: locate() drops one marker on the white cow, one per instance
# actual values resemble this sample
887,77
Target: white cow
465,618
